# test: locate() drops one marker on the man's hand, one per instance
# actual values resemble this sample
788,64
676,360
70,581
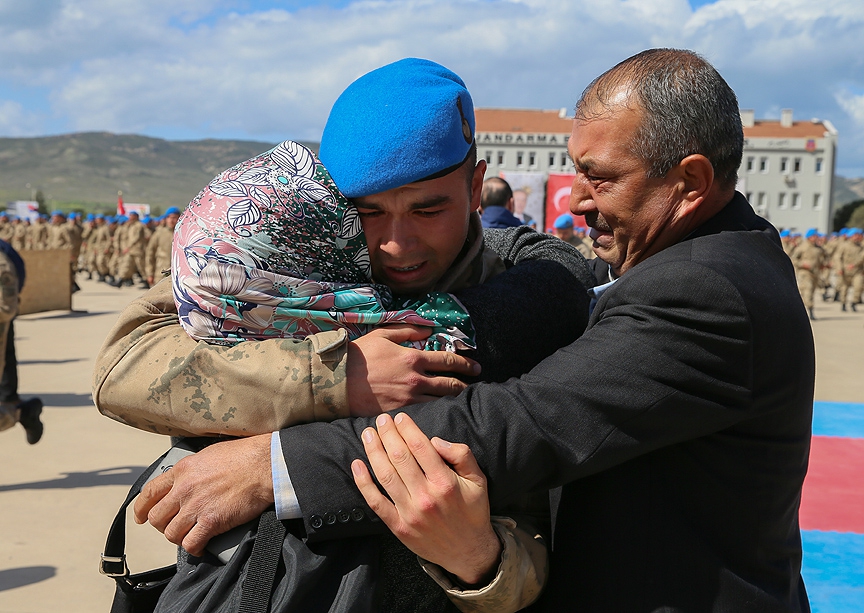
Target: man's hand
220,487
383,375
439,514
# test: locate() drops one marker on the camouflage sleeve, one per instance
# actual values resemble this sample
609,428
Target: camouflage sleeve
151,375
150,255
520,578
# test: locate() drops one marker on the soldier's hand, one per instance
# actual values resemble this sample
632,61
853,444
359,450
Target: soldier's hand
383,375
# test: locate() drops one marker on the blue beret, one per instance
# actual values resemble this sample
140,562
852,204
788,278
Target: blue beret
57,212
563,221
171,211
406,121
784,233
811,232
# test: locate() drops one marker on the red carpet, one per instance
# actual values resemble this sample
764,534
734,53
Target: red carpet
833,497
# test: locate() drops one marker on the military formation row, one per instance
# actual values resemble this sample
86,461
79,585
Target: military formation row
113,249
826,263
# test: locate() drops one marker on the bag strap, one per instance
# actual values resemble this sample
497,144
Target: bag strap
113,560
260,576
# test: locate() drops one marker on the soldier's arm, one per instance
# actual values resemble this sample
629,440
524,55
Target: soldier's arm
151,375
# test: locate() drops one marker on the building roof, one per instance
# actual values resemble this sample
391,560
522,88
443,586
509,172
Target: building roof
798,129
523,120
557,122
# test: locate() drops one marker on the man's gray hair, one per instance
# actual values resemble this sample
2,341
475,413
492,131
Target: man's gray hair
688,108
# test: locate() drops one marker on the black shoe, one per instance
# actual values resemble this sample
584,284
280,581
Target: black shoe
844,306
75,288
853,307
812,316
30,411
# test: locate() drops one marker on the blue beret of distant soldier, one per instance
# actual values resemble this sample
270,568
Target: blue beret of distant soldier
811,233
563,221
404,122
171,211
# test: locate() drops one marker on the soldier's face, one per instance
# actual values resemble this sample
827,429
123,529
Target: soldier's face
415,232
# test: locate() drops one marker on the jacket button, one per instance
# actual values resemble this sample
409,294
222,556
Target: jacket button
343,516
316,522
357,514
329,519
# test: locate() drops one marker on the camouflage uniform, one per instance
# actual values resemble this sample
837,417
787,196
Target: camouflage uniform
101,243
37,237
277,382
261,386
158,254
19,237
808,259
132,244
6,229
848,266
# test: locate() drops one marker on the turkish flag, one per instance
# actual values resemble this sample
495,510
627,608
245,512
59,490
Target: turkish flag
558,199
121,210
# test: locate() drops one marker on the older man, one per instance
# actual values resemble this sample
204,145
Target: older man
678,424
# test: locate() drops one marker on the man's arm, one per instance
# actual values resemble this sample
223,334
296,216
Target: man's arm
149,374
647,374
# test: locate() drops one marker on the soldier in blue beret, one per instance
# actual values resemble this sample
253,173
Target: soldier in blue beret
399,142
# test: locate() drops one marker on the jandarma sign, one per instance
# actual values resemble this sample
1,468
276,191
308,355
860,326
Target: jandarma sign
492,138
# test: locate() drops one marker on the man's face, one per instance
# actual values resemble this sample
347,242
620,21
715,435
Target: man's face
520,201
565,234
171,221
631,216
415,232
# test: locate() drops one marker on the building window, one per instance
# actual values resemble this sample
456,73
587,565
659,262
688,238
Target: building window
488,157
563,161
796,201
532,159
763,164
749,196
817,202
750,161
796,165
819,165
781,200
501,159
784,165
763,201
520,158
551,160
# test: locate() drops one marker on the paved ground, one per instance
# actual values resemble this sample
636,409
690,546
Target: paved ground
57,498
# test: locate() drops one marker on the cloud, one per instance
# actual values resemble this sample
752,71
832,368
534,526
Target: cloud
16,121
853,105
258,70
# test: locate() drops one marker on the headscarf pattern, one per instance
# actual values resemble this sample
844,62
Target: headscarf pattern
272,249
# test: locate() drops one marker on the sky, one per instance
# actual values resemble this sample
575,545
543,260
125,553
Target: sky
269,71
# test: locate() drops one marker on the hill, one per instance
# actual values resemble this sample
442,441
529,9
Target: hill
85,171
847,190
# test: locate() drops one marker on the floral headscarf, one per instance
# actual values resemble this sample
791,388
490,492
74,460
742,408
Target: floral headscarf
271,248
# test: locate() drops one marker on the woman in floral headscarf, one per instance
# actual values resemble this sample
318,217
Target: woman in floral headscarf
271,248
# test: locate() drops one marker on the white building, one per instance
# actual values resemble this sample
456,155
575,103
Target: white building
787,171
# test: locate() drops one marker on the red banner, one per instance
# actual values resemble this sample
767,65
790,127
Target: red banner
120,209
558,199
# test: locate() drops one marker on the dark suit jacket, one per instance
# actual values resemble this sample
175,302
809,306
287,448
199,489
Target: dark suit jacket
679,425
